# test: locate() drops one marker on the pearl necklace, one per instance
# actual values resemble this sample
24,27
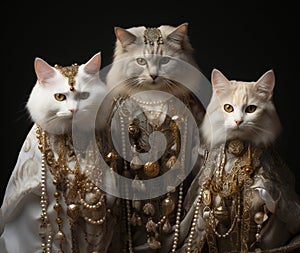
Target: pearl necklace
84,201
167,203
155,111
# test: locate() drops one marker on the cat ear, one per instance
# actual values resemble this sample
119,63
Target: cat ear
179,34
94,64
219,81
183,28
265,84
124,36
43,70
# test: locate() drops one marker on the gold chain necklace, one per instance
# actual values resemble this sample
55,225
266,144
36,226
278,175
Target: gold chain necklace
227,196
84,201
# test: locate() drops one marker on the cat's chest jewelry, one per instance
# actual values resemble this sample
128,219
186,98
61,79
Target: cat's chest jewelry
78,199
155,111
225,197
155,217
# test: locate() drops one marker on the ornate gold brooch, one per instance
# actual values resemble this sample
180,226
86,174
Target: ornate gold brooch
152,35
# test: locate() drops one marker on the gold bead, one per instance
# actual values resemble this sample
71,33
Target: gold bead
58,220
56,194
73,211
59,236
57,207
167,206
151,169
111,156
259,218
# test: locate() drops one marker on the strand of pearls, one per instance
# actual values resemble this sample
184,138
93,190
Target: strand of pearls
45,227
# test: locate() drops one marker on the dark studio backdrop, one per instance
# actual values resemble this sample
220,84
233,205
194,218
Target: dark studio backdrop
242,40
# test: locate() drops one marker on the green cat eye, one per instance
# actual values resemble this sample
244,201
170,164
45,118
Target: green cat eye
250,108
228,108
59,96
141,61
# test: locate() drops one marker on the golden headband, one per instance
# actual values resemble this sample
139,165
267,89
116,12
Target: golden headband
152,35
70,72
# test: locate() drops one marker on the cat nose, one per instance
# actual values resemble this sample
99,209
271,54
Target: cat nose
73,110
238,122
154,77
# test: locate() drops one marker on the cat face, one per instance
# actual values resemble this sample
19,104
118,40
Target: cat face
66,96
152,58
241,110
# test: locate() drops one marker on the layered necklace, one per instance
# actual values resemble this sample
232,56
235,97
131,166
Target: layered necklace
225,200
158,217
79,203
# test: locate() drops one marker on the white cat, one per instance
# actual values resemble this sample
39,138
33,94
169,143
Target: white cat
55,106
247,200
50,201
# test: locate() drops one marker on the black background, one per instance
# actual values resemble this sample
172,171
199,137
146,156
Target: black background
242,39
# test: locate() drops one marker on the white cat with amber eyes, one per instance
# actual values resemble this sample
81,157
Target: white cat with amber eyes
62,100
55,106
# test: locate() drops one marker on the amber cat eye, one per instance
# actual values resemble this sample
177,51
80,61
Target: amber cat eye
250,108
59,96
228,108
141,61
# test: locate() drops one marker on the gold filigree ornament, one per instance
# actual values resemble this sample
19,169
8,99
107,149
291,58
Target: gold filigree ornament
152,35
235,147
70,72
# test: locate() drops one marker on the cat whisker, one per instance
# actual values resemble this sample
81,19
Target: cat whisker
261,130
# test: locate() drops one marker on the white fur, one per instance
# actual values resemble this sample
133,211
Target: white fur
58,117
261,127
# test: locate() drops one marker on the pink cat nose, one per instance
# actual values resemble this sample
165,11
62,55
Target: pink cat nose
73,110
238,122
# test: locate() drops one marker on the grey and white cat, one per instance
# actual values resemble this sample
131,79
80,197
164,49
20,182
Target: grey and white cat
154,59
239,131
151,68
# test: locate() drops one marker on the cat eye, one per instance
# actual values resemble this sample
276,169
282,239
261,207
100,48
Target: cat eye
164,60
141,61
250,108
228,108
59,96
83,95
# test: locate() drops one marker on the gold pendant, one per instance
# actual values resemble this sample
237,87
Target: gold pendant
168,206
235,147
151,169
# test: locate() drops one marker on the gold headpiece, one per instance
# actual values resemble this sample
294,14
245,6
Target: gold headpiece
70,72
152,35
